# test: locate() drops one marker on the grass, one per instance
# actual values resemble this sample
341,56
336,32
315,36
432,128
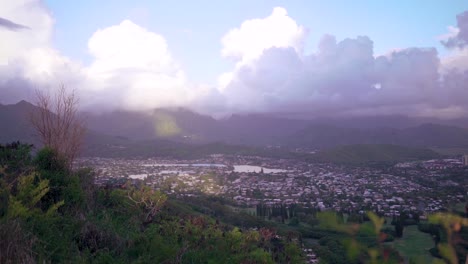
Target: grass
459,207
374,153
414,244
311,241
451,151
248,210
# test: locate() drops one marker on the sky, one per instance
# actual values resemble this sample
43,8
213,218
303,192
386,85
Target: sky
218,57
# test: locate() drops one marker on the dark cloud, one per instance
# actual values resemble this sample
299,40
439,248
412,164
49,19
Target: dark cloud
454,85
340,78
10,25
460,40
16,89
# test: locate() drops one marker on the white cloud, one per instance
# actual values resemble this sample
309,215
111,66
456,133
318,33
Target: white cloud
457,59
128,45
340,78
247,42
452,32
37,33
134,66
27,59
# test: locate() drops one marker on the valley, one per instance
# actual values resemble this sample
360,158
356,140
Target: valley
417,188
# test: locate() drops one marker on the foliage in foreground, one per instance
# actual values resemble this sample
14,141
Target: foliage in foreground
50,214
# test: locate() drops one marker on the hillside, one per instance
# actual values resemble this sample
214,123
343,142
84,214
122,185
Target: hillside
50,214
15,125
373,153
183,144
435,135
183,125
424,135
175,124
172,131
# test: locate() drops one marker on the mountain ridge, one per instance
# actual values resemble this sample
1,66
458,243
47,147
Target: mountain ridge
185,126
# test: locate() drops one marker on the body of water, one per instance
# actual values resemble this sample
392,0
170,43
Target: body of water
237,168
250,168
138,176
184,165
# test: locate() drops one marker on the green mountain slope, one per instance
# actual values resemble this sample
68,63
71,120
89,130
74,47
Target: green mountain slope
373,153
49,214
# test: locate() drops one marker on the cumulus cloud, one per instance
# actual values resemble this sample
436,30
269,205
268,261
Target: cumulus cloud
458,37
341,78
247,43
135,67
132,68
27,59
457,60
24,14
254,36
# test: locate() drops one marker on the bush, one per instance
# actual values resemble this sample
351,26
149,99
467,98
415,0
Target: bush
16,245
64,185
126,225
15,157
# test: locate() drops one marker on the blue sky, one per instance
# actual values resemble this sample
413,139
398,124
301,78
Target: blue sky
220,57
193,29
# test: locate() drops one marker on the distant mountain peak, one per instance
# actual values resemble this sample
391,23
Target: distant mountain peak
24,103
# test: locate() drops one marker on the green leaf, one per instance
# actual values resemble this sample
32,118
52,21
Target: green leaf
52,209
448,253
377,221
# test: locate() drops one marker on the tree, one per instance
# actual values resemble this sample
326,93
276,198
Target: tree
399,228
57,123
149,200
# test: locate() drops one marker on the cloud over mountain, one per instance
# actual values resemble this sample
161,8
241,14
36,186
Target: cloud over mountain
344,78
340,76
23,14
132,67
27,60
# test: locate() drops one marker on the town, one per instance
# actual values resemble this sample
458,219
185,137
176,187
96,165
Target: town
412,187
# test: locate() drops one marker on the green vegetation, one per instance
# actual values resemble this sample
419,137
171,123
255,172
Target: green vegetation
53,215
451,151
176,150
373,153
414,245
460,208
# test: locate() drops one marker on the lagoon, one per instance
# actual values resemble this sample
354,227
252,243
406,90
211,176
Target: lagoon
251,168
184,165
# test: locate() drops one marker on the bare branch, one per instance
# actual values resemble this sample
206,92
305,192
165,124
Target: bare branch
57,122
